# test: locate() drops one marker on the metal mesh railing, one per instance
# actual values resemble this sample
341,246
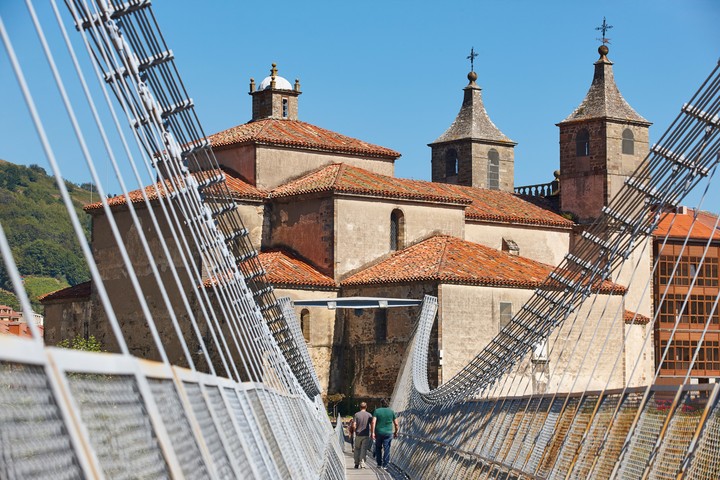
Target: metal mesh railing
190,290
34,440
168,428
118,426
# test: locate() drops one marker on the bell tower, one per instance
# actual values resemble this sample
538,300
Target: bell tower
473,151
274,97
602,142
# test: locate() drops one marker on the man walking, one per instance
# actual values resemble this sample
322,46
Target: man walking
383,429
361,426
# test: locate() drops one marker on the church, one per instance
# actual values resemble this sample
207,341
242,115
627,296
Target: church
330,219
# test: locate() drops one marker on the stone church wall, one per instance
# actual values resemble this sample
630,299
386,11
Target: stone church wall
544,245
276,166
469,317
374,342
322,329
585,348
363,228
241,159
126,306
306,228
252,215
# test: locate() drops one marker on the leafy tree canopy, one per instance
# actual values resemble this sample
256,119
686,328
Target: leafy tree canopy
38,225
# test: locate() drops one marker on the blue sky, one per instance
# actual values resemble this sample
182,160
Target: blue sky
392,72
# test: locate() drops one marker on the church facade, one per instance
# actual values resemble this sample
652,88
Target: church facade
330,219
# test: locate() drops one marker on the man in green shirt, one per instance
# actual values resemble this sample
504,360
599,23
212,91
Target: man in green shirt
383,429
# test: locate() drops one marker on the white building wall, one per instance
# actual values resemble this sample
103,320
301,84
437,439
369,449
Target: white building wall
544,245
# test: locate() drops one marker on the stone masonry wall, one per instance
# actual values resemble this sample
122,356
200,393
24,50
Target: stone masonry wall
305,227
367,363
322,329
545,245
276,165
362,228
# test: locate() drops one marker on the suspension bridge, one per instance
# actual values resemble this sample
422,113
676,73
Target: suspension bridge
254,410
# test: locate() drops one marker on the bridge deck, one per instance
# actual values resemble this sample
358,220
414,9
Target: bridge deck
372,472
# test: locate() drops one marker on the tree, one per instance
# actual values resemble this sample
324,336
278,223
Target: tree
90,344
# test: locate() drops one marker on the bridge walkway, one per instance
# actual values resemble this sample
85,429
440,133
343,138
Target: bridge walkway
372,472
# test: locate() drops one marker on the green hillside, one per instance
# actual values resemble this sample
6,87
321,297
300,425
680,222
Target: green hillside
39,231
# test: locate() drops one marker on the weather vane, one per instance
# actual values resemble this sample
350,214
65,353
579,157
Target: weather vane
604,28
472,58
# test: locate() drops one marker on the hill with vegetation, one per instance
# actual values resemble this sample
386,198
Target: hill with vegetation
39,231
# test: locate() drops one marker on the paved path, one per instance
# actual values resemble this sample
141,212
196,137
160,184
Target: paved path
372,472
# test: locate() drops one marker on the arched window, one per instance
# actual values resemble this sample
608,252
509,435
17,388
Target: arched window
628,142
582,143
451,163
493,170
305,323
397,230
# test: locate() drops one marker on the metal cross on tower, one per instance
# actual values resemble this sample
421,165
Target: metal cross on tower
604,28
472,58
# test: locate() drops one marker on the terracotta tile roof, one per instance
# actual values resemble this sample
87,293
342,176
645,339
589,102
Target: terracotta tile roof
483,204
632,318
679,226
499,206
283,269
21,329
219,279
79,291
448,259
238,188
343,178
294,133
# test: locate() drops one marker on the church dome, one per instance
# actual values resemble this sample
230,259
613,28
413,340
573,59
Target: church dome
280,83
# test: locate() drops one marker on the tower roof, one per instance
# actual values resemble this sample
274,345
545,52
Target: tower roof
604,100
472,122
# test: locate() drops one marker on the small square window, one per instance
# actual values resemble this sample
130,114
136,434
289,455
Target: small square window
506,313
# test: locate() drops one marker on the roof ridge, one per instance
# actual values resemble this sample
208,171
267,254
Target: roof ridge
342,167
286,132
443,255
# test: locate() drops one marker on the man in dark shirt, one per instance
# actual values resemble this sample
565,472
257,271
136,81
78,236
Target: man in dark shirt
361,426
383,429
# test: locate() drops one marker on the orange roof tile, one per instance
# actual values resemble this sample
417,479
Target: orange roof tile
237,187
499,206
295,133
681,225
21,329
483,204
79,291
632,318
448,259
343,178
283,269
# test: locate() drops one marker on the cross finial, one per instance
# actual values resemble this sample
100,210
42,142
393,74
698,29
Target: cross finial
604,28
471,57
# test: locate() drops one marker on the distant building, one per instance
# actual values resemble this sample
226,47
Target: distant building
14,323
331,219
684,302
